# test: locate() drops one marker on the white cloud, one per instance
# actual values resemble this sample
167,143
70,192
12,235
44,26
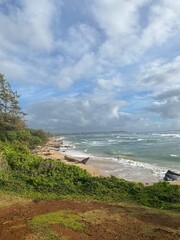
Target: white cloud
29,25
95,112
83,51
161,76
37,72
120,22
164,22
169,108
118,18
38,20
126,38
27,40
75,71
102,48
113,83
80,40
14,69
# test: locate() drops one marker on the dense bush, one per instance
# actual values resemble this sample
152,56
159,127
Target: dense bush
44,175
31,138
163,195
40,134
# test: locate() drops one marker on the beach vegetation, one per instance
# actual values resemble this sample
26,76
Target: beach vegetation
44,178
29,137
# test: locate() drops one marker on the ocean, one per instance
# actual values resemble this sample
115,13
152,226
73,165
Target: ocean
143,157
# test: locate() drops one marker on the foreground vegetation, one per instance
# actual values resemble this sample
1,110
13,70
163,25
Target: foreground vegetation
26,174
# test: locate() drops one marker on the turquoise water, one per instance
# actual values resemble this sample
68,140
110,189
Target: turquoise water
156,151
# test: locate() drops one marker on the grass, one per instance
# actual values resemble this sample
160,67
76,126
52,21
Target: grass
43,234
99,216
7,199
94,216
135,215
148,232
64,218
135,209
41,225
35,236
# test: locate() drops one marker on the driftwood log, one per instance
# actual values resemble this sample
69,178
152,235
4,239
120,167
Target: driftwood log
84,161
71,159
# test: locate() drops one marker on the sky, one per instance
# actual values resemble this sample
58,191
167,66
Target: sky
93,65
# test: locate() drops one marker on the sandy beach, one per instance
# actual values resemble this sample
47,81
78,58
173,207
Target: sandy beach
51,151
94,166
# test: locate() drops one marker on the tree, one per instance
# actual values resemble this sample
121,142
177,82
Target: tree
11,115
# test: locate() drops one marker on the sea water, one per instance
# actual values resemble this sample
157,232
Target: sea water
141,157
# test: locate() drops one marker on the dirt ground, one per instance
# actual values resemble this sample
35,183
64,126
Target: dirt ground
102,221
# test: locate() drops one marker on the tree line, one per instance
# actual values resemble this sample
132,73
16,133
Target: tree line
12,124
11,115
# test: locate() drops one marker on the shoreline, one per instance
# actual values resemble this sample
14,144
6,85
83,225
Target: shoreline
97,166
51,151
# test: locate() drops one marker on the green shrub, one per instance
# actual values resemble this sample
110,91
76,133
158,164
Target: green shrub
40,134
163,195
23,136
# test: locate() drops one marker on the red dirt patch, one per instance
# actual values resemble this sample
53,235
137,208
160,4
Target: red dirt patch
114,223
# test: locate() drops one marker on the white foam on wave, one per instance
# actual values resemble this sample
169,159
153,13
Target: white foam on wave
131,172
156,170
121,163
111,140
173,155
97,143
102,143
173,135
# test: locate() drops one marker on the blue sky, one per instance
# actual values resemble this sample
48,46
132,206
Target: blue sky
93,65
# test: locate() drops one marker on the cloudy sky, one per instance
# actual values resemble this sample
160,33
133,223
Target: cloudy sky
93,65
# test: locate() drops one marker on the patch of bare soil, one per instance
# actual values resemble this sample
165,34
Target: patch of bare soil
102,222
